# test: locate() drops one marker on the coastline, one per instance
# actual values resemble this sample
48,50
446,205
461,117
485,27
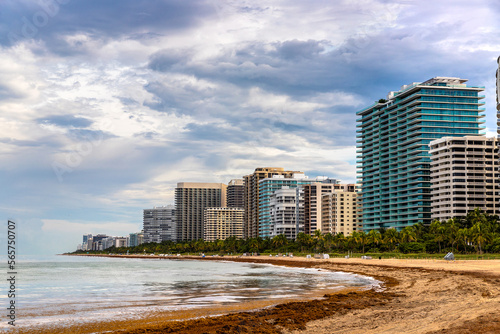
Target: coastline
418,296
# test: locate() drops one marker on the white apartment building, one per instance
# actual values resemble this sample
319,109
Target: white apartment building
464,176
222,223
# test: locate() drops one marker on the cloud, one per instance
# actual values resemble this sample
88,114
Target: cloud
128,98
51,21
66,121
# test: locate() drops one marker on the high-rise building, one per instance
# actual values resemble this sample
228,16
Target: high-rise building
122,242
136,239
235,194
267,187
464,176
159,224
251,186
313,204
190,200
98,241
393,138
498,94
340,212
284,214
222,223
87,242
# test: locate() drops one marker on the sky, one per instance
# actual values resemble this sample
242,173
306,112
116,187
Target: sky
106,105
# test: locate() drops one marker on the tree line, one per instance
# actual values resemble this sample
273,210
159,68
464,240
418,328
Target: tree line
477,232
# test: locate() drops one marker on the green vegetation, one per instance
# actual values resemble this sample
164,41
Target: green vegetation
476,235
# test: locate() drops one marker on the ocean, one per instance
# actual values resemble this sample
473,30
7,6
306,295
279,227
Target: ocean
65,289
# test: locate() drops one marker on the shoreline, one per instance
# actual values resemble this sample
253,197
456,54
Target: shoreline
419,296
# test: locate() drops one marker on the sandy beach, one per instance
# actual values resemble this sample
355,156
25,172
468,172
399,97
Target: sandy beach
418,296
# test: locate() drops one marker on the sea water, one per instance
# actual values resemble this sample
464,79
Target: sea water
68,288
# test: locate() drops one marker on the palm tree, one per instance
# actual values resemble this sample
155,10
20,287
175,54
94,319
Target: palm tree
279,241
253,245
328,242
480,234
303,240
219,245
339,240
353,240
439,232
200,246
374,237
318,238
391,237
362,239
408,234
451,229
230,244
463,237
420,230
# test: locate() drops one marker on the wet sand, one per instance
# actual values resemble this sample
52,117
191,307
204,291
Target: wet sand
419,296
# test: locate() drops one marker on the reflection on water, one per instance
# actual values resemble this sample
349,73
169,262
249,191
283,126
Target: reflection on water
93,288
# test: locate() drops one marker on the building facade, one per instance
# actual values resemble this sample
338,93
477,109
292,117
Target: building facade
191,199
464,176
313,204
235,194
136,239
340,212
267,187
251,193
284,214
222,223
159,224
393,152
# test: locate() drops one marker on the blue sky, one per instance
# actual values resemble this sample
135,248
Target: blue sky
106,105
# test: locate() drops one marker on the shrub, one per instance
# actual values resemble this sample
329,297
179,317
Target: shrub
411,247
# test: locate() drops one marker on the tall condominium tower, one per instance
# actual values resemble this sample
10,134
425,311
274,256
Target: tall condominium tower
222,223
190,200
464,176
235,194
498,95
267,187
251,186
159,224
339,212
313,204
393,138
286,212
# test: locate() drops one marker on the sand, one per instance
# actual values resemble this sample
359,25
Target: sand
418,296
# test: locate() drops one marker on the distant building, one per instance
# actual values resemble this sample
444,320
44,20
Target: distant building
267,187
136,239
87,242
97,241
464,176
222,223
340,212
106,243
235,194
313,204
393,138
159,224
284,215
121,242
191,199
251,228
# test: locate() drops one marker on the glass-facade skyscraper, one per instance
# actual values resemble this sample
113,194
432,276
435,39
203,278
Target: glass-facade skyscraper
392,145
